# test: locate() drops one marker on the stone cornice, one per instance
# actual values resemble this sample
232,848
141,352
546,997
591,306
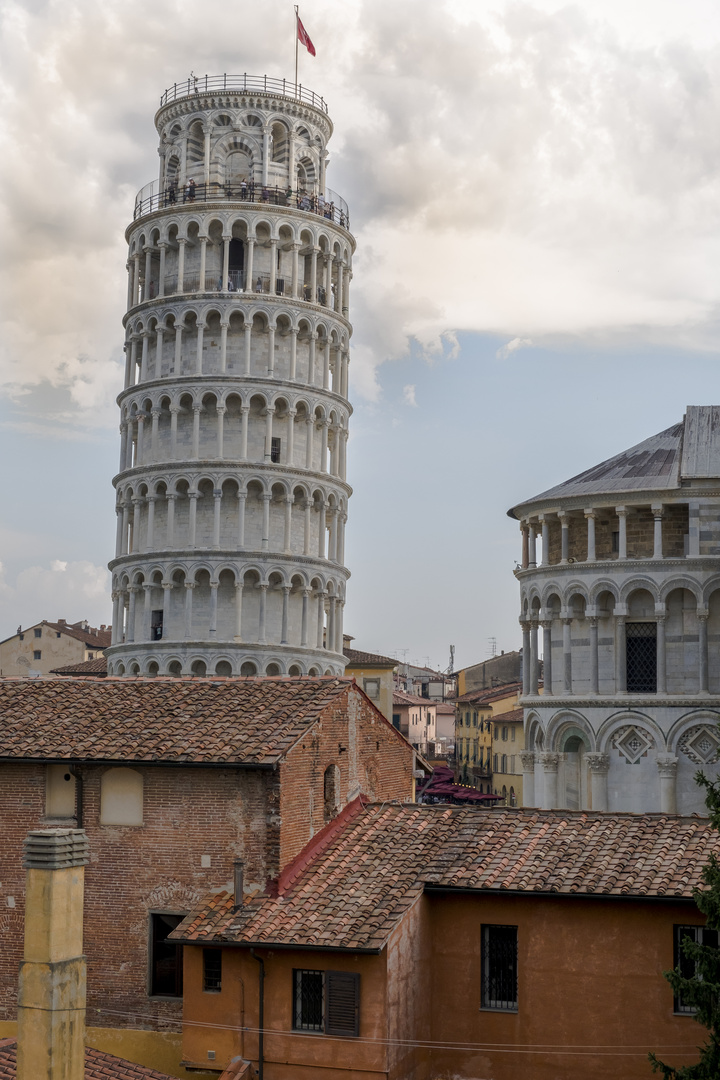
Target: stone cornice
235,298
623,702
233,469
229,555
222,206
627,566
183,383
266,101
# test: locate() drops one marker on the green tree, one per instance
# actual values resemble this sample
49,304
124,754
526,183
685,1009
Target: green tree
699,986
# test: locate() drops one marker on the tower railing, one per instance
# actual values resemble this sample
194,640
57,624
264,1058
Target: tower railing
330,205
247,84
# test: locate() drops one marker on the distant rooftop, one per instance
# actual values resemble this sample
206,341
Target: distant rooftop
357,658
251,721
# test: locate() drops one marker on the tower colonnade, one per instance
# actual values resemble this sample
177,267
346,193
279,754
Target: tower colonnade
232,496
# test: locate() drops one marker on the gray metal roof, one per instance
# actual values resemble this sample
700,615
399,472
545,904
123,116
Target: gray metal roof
688,450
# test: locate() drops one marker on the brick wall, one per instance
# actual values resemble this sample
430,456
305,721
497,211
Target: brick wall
188,813
263,816
372,758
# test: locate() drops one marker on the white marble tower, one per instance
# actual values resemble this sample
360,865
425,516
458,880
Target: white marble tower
231,491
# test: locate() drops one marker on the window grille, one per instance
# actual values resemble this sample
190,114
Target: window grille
275,450
326,1001
700,935
641,653
499,968
212,971
309,998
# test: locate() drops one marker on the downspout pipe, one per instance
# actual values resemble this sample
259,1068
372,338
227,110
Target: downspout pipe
75,771
261,1010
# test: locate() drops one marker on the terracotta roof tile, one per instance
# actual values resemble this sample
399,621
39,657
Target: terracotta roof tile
488,696
355,657
98,1066
401,698
355,889
98,666
253,721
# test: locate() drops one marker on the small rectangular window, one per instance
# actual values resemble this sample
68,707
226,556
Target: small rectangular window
702,936
37,631
22,637
212,971
499,968
372,688
615,547
37,654
165,956
58,634
275,445
396,720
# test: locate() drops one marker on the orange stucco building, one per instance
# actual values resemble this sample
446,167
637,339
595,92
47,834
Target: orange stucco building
419,942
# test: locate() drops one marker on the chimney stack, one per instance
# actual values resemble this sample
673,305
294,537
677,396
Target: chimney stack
238,878
51,997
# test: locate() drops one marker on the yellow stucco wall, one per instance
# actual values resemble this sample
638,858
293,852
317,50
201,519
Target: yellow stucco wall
384,702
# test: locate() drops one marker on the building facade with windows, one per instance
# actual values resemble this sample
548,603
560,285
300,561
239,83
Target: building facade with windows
414,716
173,780
231,494
411,942
39,648
620,579
489,741
374,673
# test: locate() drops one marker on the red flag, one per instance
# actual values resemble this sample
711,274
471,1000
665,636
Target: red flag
304,37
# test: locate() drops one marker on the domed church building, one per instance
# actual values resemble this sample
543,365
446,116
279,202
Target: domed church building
620,574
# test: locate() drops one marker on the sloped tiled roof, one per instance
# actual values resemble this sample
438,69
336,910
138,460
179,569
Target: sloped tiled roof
486,697
253,721
98,1065
98,666
650,465
357,658
371,870
401,698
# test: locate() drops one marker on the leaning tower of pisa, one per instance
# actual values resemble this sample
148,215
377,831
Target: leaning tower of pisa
231,490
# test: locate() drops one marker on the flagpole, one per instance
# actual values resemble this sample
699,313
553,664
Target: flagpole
296,49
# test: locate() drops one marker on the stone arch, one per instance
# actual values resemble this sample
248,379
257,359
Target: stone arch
614,727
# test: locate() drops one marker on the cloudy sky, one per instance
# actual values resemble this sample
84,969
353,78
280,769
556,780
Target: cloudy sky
534,191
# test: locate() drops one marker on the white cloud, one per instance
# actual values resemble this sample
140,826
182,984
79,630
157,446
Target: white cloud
512,346
408,396
67,590
527,169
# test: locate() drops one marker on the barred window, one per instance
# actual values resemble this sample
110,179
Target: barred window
275,447
212,971
327,1001
688,968
499,968
641,652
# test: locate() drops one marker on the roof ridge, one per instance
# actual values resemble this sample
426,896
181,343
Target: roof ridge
318,843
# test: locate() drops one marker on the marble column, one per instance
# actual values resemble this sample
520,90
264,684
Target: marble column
567,656
702,617
660,662
667,770
527,757
526,658
547,657
594,664
598,764
549,762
